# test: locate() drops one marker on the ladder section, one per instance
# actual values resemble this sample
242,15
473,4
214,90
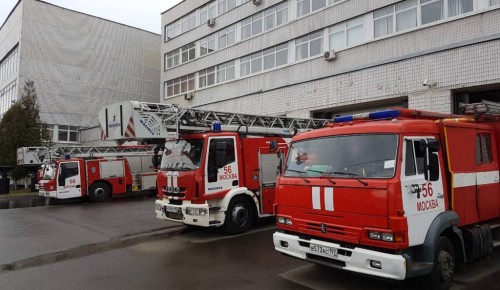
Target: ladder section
134,120
482,108
39,155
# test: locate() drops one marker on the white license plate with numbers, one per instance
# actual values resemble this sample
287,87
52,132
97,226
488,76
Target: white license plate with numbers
323,251
172,209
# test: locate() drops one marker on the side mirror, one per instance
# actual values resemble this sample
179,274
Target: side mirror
273,145
431,160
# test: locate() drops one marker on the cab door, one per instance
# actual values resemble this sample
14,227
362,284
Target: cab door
68,180
422,200
221,166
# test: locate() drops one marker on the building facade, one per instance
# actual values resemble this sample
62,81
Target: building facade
79,63
323,58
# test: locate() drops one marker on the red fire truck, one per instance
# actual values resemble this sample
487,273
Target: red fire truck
394,194
94,172
216,169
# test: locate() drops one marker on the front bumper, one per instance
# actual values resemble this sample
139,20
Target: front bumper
42,192
167,211
356,260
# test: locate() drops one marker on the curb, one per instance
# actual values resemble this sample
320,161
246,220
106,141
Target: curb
90,249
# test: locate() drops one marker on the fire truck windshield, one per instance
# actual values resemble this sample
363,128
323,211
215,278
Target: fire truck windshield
348,156
49,171
183,155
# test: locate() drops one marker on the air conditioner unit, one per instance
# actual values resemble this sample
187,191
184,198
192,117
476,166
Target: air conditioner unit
257,2
330,55
189,96
211,22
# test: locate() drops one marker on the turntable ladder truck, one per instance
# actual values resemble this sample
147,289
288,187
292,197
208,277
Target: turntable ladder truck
94,172
216,169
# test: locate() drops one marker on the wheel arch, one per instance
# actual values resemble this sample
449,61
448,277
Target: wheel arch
243,192
445,225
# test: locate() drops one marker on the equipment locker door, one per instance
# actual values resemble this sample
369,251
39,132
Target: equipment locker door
268,174
422,200
69,180
488,188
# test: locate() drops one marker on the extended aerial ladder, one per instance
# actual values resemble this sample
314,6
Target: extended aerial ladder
134,120
34,156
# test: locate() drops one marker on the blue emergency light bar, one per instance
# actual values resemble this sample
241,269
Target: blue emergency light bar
387,114
216,127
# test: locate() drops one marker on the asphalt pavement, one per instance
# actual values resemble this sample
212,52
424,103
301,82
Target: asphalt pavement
53,232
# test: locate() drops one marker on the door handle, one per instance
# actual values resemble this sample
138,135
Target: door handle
78,186
440,195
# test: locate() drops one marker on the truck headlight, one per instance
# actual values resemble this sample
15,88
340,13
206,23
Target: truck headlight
386,237
284,221
196,211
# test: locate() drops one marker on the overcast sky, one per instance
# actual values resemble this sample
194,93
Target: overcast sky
144,14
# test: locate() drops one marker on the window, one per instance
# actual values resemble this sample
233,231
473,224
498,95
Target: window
432,10
225,71
188,52
309,45
457,7
282,13
50,131
397,17
264,60
173,58
245,66
9,65
256,62
227,36
307,6
226,5
207,44
347,34
173,30
494,2
206,77
68,134
179,85
414,163
207,12
188,22
483,149
69,169
275,56
263,21
406,15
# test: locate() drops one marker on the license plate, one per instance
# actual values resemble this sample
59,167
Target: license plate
323,251
172,209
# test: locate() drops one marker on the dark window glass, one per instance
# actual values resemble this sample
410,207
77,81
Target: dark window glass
410,159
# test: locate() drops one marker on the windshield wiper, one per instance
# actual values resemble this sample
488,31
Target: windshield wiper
324,174
301,174
353,175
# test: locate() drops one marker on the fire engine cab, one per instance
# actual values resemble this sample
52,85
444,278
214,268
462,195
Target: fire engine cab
216,169
394,194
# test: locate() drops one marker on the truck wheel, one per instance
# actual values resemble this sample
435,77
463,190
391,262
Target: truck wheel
99,192
443,270
239,216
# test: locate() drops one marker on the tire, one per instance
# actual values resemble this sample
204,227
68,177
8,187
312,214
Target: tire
239,216
99,192
443,270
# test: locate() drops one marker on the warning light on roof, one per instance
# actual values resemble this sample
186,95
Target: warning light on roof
216,127
387,114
